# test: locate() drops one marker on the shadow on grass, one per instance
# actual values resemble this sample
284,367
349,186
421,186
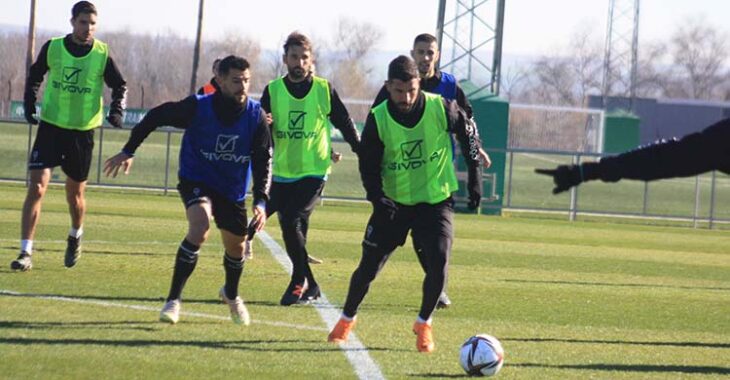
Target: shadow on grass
438,375
169,252
710,370
622,342
581,283
243,345
86,251
120,325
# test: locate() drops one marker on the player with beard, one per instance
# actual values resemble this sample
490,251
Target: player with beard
226,139
425,53
409,177
301,106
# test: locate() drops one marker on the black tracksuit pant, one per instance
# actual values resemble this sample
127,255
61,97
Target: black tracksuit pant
294,203
433,224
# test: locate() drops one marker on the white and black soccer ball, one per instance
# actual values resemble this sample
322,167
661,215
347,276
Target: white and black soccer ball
481,355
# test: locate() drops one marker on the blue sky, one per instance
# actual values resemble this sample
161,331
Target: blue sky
532,27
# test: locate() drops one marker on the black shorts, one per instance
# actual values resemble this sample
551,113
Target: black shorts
228,215
433,224
56,146
295,199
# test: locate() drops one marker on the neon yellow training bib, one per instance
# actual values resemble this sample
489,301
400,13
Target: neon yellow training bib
73,94
417,162
301,132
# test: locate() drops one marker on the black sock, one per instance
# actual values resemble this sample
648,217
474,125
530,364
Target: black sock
187,257
233,268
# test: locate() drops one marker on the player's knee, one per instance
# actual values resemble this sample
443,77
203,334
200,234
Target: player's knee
290,225
437,276
198,233
36,191
235,251
363,275
74,199
371,263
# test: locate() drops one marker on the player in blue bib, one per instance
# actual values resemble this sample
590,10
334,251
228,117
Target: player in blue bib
226,140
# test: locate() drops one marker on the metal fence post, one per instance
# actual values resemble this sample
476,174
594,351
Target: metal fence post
645,208
509,179
101,148
574,194
697,202
27,156
712,199
167,161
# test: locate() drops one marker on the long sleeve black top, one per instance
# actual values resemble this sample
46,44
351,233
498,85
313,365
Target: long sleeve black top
339,116
371,146
691,155
429,85
112,76
180,114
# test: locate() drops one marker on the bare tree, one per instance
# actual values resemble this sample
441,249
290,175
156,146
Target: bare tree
272,65
237,44
160,64
12,67
587,64
355,39
652,76
699,51
352,43
569,78
512,83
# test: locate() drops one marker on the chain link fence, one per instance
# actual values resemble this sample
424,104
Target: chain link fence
699,200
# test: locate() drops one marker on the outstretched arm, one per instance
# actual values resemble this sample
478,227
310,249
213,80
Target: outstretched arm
691,155
175,114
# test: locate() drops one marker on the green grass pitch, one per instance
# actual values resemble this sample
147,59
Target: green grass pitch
568,300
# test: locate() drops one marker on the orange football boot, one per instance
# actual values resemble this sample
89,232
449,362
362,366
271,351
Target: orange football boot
341,330
424,337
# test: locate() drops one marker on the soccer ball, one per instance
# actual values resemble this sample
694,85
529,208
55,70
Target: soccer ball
481,355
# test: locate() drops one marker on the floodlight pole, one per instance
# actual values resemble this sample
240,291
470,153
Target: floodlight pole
620,59
497,54
31,38
440,25
29,61
467,48
196,52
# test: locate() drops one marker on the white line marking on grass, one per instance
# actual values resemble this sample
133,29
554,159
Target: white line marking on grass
149,308
356,352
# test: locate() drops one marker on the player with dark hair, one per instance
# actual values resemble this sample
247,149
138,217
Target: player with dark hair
425,53
212,85
301,105
226,139
78,65
409,177
693,154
